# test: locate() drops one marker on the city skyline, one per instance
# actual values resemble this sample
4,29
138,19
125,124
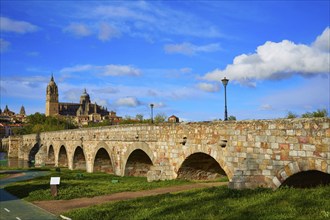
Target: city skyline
172,54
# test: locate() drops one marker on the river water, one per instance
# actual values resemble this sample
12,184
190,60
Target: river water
12,162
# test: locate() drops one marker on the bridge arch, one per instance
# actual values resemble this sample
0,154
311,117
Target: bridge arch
200,166
211,154
137,160
79,159
102,158
292,173
50,155
62,160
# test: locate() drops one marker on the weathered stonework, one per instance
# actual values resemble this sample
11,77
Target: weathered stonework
259,153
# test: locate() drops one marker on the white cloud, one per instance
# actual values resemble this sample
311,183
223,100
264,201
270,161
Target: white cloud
266,107
159,105
119,70
128,102
106,32
322,42
190,49
277,61
186,70
4,45
21,27
149,20
106,70
208,87
78,29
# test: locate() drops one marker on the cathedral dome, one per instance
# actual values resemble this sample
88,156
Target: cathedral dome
84,98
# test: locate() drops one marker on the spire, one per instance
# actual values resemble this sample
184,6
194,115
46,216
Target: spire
22,111
52,79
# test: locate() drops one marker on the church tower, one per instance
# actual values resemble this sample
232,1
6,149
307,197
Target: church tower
52,107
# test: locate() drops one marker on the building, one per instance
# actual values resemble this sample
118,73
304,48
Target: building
83,112
9,120
7,116
173,119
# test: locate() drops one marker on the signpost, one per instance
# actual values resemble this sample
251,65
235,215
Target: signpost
54,181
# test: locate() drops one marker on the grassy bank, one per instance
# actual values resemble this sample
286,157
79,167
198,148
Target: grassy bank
77,184
218,203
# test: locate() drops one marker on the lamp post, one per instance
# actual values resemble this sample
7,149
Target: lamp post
152,117
225,82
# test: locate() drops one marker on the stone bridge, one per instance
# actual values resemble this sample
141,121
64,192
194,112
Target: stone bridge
258,153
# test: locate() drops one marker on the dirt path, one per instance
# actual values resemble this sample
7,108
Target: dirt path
58,207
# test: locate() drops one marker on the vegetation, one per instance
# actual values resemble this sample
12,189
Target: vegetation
98,124
37,123
231,118
139,119
77,184
218,203
320,113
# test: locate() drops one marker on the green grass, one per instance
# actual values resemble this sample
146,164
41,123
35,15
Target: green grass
72,185
3,175
218,203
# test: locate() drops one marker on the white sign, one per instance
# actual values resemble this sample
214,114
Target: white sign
55,180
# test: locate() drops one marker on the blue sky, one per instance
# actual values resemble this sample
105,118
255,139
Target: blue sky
128,54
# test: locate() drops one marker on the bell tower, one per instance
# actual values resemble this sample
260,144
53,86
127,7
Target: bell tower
52,107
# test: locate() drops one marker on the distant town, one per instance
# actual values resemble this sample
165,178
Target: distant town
73,115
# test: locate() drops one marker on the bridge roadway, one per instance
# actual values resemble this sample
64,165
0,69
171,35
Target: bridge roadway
258,153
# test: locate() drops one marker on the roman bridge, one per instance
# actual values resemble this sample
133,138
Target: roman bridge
258,153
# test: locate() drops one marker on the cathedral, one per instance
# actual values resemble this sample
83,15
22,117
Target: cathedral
83,112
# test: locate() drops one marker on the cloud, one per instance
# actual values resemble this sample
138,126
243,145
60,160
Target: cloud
106,90
266,107
208,87
106,32
190,49
278,61
20,27
159,105
322,42
128,102
148,20
106,70
4,45
119,70
78,29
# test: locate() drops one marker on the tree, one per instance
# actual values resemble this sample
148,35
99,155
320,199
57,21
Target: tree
320,113
160,117
291,115
231,118
139,117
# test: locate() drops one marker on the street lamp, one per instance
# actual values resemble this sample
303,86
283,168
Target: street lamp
225,82
152,117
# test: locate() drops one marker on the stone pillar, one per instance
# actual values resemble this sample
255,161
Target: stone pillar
89,166
238,181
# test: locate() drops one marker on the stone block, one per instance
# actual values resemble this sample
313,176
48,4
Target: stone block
274,146
308,147
290,132
294,168
266,172
276,182
293,153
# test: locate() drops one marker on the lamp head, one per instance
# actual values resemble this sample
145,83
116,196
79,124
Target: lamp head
225,81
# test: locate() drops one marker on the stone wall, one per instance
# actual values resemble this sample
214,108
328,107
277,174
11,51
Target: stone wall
11,144
251,153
